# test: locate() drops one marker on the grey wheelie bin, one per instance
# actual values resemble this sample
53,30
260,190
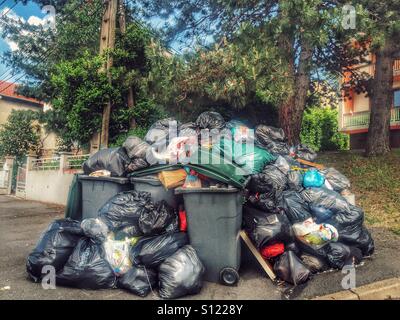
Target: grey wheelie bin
96,191
153,185
214,218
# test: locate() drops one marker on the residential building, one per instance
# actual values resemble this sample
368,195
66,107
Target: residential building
11,100
354,112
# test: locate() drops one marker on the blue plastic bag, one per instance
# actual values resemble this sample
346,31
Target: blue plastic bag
312,178
321,214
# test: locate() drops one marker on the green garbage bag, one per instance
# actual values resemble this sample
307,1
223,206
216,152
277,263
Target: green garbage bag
73,209
250,158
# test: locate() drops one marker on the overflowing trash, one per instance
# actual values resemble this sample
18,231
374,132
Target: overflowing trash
296,213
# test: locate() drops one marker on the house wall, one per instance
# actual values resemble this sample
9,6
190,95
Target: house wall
6,106
361,102
359,140
49,140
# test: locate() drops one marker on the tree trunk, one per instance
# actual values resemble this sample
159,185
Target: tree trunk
291,111
378,140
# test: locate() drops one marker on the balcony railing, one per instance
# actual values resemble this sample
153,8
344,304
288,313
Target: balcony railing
396,68
360,120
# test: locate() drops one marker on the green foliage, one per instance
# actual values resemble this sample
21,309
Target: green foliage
320,130
137,131
81,91
20,134
145,113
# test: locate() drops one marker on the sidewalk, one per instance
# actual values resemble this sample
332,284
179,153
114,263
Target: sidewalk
22,222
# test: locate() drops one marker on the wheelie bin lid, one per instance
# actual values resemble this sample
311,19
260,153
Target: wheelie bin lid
150,179
205,190
120,180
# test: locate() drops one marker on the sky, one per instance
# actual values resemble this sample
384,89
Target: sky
30,12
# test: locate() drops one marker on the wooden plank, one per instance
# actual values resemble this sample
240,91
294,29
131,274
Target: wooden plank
311,164
264,264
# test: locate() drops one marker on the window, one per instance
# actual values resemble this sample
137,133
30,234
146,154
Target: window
397,98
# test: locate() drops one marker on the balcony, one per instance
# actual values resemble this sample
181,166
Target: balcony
396,68
360,120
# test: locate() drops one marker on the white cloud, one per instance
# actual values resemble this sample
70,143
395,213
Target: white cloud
32,20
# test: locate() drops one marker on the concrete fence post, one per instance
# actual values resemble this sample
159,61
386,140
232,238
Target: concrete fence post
10,163
29,159
64,160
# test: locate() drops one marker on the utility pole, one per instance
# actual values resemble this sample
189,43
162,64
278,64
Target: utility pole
122,26
107,42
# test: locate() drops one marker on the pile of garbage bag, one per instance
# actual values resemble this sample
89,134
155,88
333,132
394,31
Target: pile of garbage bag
296,212
133,244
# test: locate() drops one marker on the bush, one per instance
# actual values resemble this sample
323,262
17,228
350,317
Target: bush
20,134
320,130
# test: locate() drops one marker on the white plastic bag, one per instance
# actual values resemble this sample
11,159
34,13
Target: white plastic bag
117,254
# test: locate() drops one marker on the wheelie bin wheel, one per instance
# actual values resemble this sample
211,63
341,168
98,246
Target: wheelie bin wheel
229,276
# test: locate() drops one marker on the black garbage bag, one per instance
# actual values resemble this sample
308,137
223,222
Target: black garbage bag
314,250
292,246
304,152
139,281
128,232
338,181
262,201
135,147
358,236
266,134
282,164
277,148
320,214
289,268
95,229
54,247
266,228
188,129
210,120
329,199
271,181
125,209
355,257
152,251
313,263
181,274
355,216
295,207
137,164
114,160
365,243
295,180
337,254
159,131
87,268
157,219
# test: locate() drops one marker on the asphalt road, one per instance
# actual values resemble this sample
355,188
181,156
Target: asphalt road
22,222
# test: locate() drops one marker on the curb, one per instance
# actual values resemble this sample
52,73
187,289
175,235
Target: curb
381,290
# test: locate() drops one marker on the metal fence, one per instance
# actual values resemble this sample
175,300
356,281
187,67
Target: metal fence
75,162
46,164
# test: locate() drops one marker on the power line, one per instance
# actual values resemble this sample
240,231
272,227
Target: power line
47,53
10,70
9,9
2,2
141,25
